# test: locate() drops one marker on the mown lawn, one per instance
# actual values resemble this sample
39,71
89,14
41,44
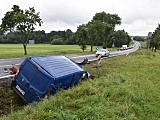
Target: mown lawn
16,50
125,87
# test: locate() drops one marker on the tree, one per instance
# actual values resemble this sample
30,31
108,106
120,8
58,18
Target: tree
70,37
11,38
81,36
109,22
155,39
39,36
99,30
1,32
111,19
21,23
94,29
68,34
138,38
57,41
121,38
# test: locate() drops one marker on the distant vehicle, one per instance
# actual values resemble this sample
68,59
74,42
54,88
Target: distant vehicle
130,47
124,47
102,52
39,77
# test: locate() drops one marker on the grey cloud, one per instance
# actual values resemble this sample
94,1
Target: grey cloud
138,16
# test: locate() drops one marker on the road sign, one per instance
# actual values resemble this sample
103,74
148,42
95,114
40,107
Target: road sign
97,47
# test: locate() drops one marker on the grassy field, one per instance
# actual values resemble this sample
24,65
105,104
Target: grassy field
125,87
16,50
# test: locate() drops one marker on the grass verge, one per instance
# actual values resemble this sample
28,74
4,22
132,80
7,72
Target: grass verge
125,87
16,50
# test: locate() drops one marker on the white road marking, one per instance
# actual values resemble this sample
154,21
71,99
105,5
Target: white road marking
10,58
9,65
7,76
84,56
5,61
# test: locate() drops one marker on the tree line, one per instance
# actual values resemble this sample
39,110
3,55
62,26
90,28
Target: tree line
101,31
40,36
18,27
153,41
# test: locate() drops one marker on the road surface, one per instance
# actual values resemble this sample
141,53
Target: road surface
5,64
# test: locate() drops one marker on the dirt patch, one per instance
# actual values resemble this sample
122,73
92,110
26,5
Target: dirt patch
9,101
5,82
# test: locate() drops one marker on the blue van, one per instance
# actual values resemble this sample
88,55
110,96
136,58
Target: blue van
40,76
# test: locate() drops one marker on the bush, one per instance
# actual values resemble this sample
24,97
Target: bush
138,38
57,41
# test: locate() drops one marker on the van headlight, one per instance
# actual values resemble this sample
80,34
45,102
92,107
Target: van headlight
83,76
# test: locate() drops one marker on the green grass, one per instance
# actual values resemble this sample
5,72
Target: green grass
125,87
16,50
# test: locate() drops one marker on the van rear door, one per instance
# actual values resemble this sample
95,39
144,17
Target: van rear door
32,81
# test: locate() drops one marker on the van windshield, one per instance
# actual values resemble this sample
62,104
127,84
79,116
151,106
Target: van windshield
36,78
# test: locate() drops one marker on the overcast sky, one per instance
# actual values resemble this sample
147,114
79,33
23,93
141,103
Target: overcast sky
138,16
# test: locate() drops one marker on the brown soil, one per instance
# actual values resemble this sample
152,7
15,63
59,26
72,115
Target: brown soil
9,101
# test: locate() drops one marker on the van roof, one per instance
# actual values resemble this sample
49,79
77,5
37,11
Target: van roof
57,66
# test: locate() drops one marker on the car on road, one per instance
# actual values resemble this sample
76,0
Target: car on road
124,47
130,47
121,49
102,52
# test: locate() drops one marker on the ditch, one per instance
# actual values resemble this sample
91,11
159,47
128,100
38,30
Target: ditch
9,101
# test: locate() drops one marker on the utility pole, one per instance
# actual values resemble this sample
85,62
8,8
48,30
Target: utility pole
148,39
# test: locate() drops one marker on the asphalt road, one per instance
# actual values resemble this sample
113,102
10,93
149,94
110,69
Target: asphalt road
5,64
